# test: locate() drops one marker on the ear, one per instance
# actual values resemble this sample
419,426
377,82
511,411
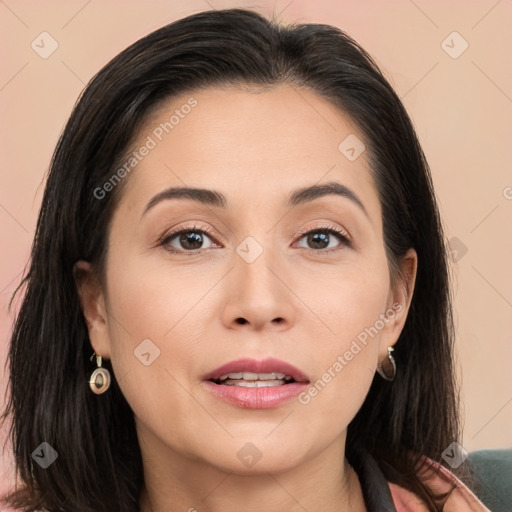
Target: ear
93,305
399,301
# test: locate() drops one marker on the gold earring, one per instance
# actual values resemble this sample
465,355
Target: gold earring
389,372
100,378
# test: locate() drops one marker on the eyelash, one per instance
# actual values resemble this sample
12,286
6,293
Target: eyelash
173,234
340,234
329,229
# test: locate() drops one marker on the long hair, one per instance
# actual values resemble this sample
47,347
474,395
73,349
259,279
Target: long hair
49,357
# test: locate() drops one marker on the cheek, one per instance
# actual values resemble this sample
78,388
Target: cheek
347,299
155,337
349,306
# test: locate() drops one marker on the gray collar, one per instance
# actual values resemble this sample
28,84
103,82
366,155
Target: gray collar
375,488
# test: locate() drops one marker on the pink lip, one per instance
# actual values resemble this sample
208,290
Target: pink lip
257,398
269,365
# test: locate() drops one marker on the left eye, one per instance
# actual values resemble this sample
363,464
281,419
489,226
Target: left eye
324,238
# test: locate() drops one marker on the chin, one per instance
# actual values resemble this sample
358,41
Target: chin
257,458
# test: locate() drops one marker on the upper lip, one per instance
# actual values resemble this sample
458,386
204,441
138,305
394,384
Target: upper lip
269,365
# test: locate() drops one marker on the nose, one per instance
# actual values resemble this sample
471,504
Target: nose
258,295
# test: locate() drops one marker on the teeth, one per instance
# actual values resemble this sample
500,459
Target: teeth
232,376
254,383
249,376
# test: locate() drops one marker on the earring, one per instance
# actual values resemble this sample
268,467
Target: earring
389,372
100,378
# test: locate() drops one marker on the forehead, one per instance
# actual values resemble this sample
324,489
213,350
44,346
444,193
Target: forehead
253,144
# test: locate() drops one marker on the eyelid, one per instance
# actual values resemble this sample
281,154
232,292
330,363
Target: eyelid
345,240
326,226
168,235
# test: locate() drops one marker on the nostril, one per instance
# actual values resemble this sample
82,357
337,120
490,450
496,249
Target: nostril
241,320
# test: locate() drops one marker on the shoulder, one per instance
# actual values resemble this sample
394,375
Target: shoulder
493,469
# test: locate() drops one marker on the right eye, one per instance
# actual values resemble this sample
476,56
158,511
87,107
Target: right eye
186,240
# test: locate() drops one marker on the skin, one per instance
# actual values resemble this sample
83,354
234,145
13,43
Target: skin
255,148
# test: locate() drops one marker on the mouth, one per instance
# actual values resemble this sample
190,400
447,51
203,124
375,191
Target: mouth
254,380
251,373
252,384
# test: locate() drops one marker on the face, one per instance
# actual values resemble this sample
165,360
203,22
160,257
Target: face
264,272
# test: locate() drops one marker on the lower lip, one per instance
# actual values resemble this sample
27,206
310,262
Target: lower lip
256,398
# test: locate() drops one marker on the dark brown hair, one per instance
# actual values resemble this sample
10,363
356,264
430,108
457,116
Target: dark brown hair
50,401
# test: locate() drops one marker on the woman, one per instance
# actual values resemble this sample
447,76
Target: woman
238,293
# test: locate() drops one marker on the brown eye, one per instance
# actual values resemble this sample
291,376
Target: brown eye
190,239
318,240
324,238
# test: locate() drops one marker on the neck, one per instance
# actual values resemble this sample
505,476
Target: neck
175,483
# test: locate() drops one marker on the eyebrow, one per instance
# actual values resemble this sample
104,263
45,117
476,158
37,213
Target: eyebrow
217,199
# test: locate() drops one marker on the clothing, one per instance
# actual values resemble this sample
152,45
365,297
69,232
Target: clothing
383,496
494,469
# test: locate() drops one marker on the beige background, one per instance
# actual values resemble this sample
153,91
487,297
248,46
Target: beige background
461,107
